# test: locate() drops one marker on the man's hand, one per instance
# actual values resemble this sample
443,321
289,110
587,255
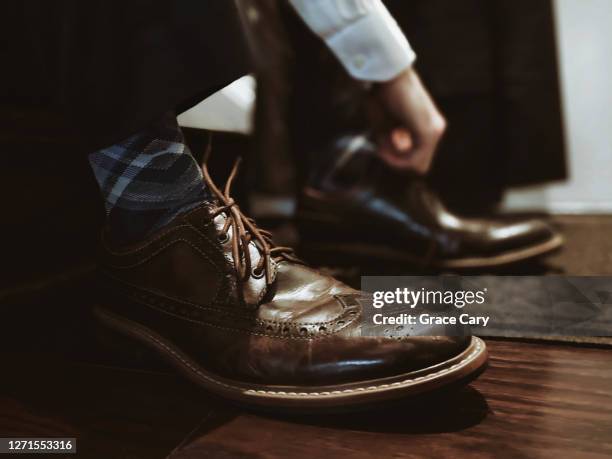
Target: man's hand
411,125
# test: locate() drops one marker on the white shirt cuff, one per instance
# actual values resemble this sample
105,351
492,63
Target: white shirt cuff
366,39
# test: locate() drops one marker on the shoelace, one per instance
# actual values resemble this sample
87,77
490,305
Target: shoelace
244,231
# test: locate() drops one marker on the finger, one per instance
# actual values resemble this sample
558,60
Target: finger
399,151
418,159
413,145
405,161
401,164
401,139
428,140
395,148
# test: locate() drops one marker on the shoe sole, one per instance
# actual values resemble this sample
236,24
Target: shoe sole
458,370
391,254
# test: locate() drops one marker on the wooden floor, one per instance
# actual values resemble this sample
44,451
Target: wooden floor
536,400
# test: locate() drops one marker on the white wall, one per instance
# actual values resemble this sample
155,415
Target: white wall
584,29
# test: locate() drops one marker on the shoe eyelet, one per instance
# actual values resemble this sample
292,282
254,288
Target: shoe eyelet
258,274
223,238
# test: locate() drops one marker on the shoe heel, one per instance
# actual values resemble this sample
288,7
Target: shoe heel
125,351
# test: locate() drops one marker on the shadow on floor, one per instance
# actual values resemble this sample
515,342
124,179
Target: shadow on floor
442,412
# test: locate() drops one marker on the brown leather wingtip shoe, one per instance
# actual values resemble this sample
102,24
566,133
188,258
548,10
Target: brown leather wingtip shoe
248,321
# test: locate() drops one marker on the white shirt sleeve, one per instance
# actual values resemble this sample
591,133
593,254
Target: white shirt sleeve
362,34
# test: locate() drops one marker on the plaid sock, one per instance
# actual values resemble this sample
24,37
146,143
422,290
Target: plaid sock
147,180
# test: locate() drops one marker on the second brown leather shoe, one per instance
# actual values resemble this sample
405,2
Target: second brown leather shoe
250,322
358,206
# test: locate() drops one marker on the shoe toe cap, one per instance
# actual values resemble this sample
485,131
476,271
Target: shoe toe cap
367,358
519,235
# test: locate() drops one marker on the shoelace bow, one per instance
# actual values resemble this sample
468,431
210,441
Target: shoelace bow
245,231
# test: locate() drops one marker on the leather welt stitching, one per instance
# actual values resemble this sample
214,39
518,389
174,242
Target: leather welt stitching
424,378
